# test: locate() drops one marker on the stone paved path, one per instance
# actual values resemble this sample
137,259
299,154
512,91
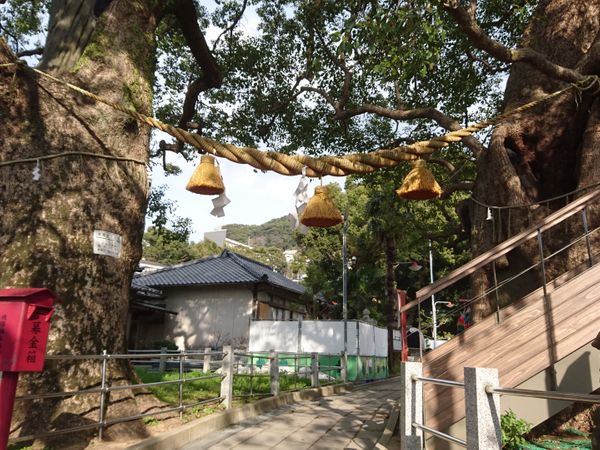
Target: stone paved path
354,420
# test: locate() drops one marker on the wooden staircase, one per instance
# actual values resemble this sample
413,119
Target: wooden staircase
535,332
533,335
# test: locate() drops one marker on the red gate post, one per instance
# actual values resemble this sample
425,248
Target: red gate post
403,328
24,325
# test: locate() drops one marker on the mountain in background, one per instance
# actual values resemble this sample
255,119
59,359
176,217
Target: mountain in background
274,233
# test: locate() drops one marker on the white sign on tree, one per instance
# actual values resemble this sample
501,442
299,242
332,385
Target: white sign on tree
107,243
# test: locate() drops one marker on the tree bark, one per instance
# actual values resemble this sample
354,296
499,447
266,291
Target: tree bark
539,154
46,232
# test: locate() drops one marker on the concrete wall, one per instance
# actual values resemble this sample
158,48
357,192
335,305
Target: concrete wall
208,317
579,372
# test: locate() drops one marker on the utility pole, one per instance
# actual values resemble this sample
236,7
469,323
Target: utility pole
434,317
345,279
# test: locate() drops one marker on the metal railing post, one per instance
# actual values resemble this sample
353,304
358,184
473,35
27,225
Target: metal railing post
274,372
227,381
587,236
344,364
482,410
542,262
101,417
549,318
411,399
314,369
181,384
207,360
162,364
496,292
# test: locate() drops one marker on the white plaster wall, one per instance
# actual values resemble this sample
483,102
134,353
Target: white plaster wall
208,317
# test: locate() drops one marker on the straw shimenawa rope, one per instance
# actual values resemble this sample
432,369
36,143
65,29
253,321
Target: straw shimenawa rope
325,165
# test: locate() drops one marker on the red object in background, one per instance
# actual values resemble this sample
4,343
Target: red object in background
403,326
24,324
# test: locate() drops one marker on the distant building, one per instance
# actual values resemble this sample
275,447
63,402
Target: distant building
215,298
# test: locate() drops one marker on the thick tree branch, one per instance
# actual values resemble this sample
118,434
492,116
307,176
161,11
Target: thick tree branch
186,14
33,51
440,118
322,93
472,8
466,22
454,187
409,114
443,162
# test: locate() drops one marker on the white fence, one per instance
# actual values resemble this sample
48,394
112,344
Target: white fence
320,336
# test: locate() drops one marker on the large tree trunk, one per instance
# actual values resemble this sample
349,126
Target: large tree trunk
540,154
48,223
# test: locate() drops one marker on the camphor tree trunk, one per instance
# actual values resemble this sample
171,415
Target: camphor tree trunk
541,154
48,223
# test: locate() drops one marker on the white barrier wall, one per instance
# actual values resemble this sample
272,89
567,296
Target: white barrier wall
381,342
278,335
317,336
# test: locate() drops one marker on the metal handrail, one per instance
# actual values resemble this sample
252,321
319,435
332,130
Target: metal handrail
503,248
440,435
158,383
104,389
59,394
550,395
439,381
252,355
111,421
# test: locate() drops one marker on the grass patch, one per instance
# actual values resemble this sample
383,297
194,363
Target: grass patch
199,390
193,391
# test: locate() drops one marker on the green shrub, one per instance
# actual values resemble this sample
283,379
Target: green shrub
513,430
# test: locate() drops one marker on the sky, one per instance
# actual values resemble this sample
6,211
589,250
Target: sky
256,197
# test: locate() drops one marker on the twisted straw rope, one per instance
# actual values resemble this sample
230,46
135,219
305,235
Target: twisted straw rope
325,165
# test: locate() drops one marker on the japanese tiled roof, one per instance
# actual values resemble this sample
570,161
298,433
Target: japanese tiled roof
226,269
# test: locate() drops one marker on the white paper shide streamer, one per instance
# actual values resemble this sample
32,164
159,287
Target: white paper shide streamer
301,199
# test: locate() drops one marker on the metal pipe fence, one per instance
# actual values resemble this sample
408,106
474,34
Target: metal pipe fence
482,406
106,388
186,364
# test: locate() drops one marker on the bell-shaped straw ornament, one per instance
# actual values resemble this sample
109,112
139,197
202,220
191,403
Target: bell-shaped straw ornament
419,184
206,179
320,210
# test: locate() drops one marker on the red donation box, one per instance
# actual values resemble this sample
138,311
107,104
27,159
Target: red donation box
24,324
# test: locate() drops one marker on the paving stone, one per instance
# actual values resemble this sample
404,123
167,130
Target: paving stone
291,445
353,421
330,442
366,440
